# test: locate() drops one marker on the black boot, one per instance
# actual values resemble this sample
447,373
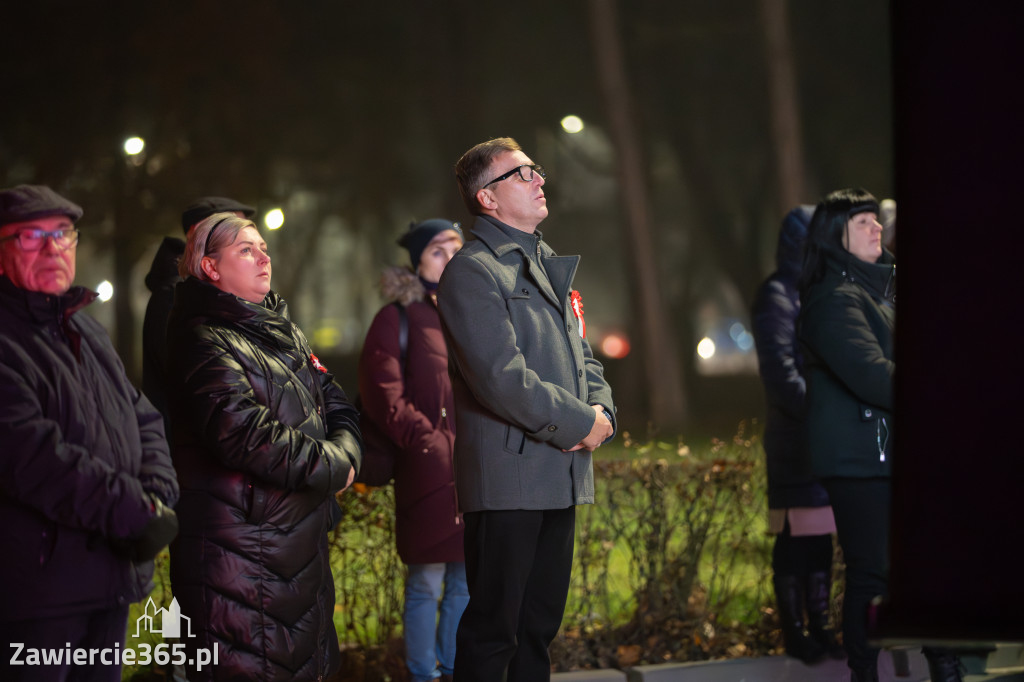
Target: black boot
818,589
943,665
789,595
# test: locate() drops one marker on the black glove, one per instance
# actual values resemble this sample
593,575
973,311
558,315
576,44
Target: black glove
158,532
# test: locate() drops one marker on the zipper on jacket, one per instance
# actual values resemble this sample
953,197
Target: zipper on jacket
879,425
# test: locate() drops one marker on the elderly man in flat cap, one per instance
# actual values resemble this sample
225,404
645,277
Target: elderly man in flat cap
86,482
161,280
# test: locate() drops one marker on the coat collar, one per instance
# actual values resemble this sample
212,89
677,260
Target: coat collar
558,273
38,307
878,279
198,301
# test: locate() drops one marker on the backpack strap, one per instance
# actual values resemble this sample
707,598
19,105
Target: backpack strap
403,334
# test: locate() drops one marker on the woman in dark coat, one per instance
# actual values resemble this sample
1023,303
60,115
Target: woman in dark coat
799,512
263,439
847,315
412,403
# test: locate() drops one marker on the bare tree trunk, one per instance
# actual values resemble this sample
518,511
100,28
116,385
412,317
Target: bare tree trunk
661,366
783,105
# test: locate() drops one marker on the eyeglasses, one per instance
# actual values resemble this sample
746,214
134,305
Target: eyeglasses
33,240
525,171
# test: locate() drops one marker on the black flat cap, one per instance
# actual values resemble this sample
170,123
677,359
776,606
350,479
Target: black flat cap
28,202
207,206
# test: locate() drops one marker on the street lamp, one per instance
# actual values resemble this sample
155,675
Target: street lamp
274,219
572,124
133,147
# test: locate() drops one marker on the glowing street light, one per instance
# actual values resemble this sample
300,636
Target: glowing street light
134,146
105,290
274,219
706,348
572,124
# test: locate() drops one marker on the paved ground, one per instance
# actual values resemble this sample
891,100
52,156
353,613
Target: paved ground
771,669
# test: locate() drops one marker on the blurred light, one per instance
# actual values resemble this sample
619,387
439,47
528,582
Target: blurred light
105,290
745,341
326,337
737,330
274,219
615,346
706,348
572,124
134,145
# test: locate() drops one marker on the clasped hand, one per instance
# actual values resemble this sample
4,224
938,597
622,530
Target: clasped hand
599,432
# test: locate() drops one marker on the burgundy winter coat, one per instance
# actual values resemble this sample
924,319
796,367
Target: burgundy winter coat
416,412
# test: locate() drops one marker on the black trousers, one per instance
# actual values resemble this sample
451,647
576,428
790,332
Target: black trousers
861,507
518,565
96,630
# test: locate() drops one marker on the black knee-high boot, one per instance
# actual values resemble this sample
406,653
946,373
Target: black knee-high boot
943,665
789,594
818,589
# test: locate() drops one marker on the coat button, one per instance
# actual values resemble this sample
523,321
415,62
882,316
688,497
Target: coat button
526,292
867,412
552,428
581,373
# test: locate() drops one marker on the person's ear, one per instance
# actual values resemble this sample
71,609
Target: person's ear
209,267
486,199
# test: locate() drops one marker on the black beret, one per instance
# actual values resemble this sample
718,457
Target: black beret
207,206
28,202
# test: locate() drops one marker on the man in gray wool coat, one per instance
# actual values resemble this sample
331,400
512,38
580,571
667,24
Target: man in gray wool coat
531,405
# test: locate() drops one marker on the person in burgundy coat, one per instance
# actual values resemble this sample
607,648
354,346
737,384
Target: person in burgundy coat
411,401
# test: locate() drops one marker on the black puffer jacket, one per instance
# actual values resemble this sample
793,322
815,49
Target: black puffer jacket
80,448
846,331
773,320
263,438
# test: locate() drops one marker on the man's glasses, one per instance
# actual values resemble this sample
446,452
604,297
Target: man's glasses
32,240
525,173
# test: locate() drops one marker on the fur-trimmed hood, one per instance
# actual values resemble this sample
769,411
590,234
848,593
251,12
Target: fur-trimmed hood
402,285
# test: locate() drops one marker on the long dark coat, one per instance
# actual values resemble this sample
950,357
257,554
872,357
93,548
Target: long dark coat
781,365
80,450
415,410
846,331
263,439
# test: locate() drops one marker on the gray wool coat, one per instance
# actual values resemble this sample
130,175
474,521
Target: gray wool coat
524,379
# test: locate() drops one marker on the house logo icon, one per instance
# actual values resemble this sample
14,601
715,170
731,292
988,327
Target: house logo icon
170,620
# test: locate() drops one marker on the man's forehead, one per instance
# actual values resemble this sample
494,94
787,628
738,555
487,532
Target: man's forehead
510,158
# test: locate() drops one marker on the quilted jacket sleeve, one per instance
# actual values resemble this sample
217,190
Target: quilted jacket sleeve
838,330
255,428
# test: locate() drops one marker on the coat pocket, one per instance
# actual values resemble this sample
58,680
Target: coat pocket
515,439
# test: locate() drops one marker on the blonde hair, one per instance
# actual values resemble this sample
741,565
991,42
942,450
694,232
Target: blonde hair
209,236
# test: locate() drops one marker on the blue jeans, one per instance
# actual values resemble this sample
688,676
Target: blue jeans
429,642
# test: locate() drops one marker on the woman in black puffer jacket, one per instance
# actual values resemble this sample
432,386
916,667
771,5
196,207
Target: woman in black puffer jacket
262,440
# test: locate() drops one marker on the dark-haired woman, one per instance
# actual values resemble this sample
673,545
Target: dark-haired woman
847,315
263,439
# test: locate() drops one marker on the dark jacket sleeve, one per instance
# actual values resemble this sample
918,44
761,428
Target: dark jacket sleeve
382,385
244,434
61,480
837,331
774,325
157,473
342,421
